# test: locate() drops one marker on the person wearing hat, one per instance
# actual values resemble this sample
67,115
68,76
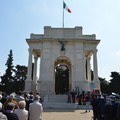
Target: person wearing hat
2,116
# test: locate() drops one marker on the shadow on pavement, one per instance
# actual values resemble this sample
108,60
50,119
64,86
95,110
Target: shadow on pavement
58,110
83,112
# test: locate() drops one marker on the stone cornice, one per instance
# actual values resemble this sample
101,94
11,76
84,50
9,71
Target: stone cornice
96,41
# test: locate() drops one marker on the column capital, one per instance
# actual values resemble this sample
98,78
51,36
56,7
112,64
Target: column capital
94,50
30,49
88,57
35,57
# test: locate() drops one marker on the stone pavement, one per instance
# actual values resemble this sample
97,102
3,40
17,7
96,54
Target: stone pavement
65,114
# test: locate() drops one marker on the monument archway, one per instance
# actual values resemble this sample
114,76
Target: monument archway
67,47
62,76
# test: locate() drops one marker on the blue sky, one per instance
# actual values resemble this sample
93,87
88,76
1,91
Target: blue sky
20,18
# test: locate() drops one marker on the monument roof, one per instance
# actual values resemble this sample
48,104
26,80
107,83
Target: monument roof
67,34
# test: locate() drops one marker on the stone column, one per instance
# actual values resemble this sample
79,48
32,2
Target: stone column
88,69
41,67
39,77
85,82
35,75
52,77
95,67
40,73
28,82
73,76
29,70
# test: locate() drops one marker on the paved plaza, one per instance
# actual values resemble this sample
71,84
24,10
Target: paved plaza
66,114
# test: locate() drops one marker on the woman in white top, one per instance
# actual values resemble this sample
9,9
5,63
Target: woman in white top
21,111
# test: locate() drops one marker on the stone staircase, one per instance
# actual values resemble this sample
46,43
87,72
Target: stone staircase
59,102
56,98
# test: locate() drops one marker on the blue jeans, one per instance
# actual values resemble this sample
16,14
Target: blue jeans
88,105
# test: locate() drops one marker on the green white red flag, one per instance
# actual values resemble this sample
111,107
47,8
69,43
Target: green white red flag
65,7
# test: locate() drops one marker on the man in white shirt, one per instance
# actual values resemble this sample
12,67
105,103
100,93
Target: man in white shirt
35,109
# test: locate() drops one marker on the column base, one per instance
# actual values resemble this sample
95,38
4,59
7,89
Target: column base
87,85
46,88
28,86
35,87
97,84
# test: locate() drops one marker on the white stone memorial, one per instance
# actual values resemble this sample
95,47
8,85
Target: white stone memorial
61,46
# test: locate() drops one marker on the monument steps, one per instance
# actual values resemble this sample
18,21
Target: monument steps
59,102
56,98
55,105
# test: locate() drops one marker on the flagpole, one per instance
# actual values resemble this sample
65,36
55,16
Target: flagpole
63,13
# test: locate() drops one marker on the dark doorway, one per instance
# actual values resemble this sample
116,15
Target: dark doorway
61,79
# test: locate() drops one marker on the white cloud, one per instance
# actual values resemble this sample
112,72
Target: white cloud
118,53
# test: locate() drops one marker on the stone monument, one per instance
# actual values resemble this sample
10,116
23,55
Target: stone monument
67,47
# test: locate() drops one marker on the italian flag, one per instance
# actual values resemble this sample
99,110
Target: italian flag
65,7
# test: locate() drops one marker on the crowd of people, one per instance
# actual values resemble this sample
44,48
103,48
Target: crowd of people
105,107
21,107
24,106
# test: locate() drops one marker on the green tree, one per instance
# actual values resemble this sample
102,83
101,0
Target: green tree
19,78
104,85
115,82
7,78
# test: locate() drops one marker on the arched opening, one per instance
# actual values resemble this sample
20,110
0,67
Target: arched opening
61,78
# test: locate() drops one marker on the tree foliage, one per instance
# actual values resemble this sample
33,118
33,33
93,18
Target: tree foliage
115,82
19,78
14,78
113,85
104,85
7,78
